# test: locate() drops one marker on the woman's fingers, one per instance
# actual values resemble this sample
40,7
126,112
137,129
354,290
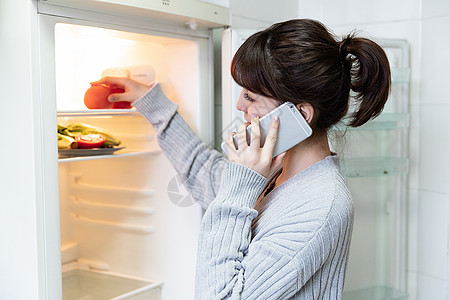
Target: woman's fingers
242,136
255,141
272,137
231,146
118,97
133,89
251,139
253,156
118,81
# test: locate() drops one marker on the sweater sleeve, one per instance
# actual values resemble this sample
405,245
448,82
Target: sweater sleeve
199,167
226,269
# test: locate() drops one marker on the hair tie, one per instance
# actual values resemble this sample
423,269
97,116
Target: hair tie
343,52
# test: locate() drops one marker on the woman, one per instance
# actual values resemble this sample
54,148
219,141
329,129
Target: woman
271,232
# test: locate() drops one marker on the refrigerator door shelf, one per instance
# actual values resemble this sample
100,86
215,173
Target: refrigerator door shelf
374,166
88,284
385,121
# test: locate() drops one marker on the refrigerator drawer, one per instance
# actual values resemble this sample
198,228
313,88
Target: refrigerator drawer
85,284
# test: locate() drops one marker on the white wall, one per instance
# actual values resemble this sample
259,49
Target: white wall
433,263
425,24
259,14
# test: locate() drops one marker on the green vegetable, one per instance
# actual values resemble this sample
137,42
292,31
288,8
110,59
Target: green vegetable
76,129
66,142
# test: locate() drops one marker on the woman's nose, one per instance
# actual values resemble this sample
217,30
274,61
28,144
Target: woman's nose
241,105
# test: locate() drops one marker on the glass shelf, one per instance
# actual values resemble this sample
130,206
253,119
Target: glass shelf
385,121
98,112
128,125
374,166
121,153
375,293
83,284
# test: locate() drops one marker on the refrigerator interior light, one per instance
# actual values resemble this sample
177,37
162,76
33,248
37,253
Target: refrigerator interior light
92,52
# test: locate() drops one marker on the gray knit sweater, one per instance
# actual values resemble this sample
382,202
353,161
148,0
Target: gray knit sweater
293,245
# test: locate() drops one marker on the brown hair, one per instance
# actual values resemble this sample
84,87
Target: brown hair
301,61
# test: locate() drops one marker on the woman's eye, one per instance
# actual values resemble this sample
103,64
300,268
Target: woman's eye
247,97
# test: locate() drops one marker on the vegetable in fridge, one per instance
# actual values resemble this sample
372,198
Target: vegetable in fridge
75,129
66,142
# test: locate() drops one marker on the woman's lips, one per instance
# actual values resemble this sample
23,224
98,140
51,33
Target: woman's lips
248,119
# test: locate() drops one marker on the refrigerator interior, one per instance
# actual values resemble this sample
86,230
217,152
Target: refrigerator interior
118,226
375,162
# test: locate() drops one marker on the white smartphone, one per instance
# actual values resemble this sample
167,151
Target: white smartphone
292,130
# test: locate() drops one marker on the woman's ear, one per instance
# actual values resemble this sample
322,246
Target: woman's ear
307,110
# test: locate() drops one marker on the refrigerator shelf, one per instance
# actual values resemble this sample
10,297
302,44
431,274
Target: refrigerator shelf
132,228
98,113
84,284
121,153
374,166
375,293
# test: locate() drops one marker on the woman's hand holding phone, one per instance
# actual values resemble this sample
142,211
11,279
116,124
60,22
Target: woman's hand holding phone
134,90
253,156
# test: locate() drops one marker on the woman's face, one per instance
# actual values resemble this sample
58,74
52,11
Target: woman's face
251,103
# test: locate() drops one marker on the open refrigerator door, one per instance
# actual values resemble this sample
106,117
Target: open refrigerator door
375,161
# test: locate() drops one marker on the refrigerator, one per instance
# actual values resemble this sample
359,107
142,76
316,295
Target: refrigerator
117,223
